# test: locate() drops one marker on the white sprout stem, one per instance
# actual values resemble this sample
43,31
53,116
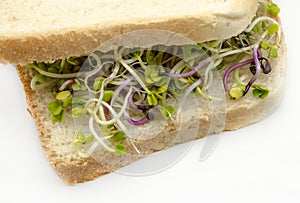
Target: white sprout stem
57,75
208,72
33,84
97,58
136,77
134,146
96,136
35,87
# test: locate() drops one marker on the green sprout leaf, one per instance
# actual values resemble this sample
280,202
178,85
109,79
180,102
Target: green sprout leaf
273,52
55,68
40,78
120,149
78,111
32,66
80,101
42,66
78,86
152,75
84,140
273,9
67,102
81,137
73,61
79,141
58,118
237,92
149,56
260,91
63,95
119,136
98,83
54,90
55,107
161,90
61,82
256,29
152,100
273,28
108,94
265,45
89,139
167,112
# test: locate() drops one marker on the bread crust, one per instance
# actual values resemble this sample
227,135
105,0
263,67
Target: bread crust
27,45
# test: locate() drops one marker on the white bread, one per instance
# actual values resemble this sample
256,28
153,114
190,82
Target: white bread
44,30
215,20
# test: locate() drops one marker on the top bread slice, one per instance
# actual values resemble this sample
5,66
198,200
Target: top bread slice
45,30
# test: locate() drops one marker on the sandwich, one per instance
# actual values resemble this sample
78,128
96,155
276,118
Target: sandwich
110,82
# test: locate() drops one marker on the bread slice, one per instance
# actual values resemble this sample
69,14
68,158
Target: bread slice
44,30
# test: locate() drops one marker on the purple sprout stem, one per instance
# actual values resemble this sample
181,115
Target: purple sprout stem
233,68
136,122
257,70
65,84
132,104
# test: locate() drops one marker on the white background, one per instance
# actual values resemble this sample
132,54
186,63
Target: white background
259,163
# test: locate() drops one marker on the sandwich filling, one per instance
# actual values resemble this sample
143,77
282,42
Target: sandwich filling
134,86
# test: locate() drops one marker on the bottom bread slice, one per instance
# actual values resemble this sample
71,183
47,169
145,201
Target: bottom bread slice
57,138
